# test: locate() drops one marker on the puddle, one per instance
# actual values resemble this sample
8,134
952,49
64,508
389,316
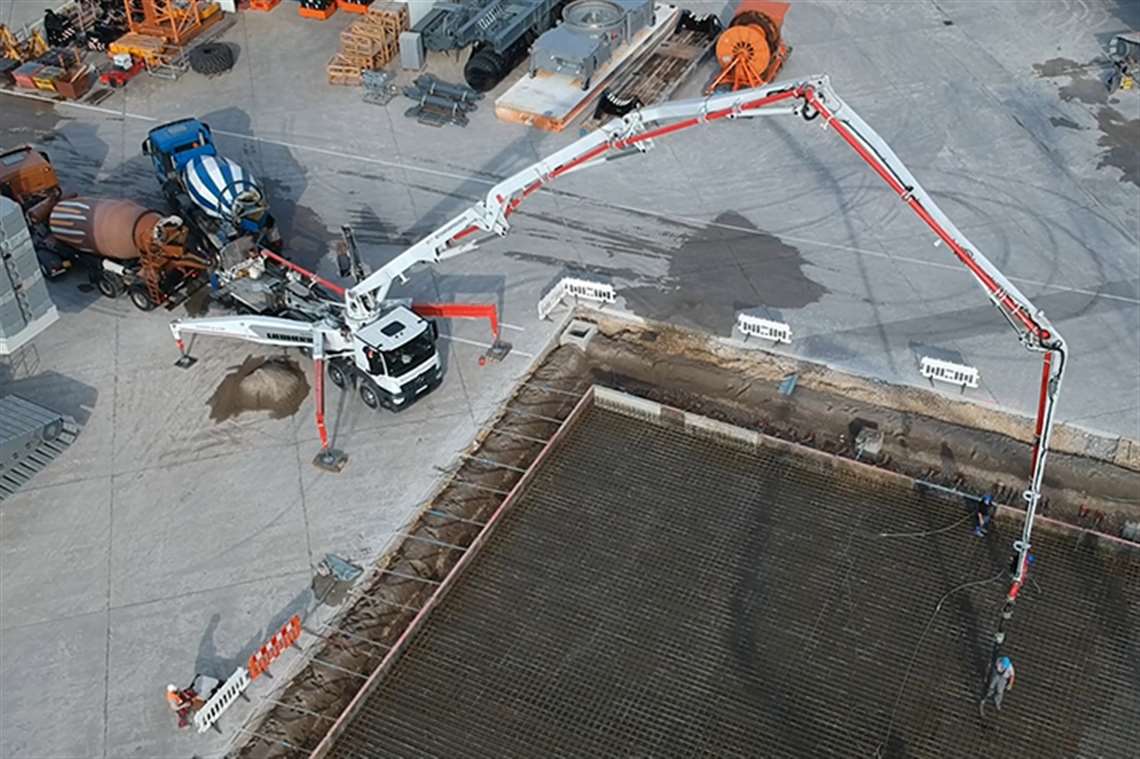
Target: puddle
1062,122
1119,135
1085,85
1120,138
728,266
261,383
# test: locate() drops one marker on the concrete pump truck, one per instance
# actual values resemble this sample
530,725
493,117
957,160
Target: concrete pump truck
388,350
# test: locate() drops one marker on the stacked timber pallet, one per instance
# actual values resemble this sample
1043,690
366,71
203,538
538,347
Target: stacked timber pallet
370,43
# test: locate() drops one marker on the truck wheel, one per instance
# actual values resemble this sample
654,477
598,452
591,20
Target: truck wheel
110,285
141,299
369,395
212,58
336,376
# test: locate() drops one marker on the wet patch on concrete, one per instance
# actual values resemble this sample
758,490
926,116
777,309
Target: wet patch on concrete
1120,138
1062,122
1084,85
261,383
370,229
728,266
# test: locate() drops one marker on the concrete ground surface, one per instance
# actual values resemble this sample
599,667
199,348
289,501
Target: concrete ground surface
163,543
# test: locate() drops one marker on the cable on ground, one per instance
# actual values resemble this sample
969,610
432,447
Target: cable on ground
917,646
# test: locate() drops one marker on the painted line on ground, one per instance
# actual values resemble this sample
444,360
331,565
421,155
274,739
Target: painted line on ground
619,206
80,106
478,344
515,327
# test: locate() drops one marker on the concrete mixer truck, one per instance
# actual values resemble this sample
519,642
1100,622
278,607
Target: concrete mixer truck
220,199
157,259
123,247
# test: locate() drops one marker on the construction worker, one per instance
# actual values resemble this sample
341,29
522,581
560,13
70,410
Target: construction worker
1001,680
984,514
181,702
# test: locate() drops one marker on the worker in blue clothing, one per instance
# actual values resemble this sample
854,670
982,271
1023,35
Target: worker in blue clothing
1001,680
984,514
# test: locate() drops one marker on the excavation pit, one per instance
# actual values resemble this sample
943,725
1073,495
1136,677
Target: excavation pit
665,585
853,549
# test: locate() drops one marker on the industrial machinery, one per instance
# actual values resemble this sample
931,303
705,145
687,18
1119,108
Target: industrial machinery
138,250
387,349
499,33
750,50
589,33
1124,55
23,46
175,21
156,259
123,246
219,198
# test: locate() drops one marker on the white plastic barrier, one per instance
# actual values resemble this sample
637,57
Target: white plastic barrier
585,289
948,371
754,326
213,709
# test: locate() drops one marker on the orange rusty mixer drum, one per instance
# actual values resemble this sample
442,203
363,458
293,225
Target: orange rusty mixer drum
753,35
116,229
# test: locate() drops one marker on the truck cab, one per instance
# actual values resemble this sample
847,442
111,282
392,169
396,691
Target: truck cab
394,361
28,179
219,198
172,146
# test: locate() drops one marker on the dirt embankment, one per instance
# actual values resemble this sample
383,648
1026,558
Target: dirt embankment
1091,481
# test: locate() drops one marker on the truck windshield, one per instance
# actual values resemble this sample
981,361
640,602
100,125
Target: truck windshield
408,356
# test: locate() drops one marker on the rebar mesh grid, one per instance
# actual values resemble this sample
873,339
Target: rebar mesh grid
656,594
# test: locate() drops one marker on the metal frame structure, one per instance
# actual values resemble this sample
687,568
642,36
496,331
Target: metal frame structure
175,21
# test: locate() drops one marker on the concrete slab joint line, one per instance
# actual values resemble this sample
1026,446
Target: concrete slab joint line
213,709
754,326
948,371
580,289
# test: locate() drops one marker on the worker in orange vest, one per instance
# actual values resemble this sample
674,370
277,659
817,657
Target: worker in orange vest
181,702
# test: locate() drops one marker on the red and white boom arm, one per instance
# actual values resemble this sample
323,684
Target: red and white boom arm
813,99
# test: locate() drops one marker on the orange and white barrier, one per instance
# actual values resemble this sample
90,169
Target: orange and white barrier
260,660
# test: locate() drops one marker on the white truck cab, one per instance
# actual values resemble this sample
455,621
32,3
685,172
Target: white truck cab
394,360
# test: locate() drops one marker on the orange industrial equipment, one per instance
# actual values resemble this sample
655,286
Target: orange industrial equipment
27,177
176,21
22,48
750,51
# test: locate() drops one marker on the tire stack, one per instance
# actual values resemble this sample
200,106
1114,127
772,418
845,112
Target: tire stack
211,58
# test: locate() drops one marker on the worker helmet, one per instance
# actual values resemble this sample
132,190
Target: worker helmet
1004,663
987,499
171,689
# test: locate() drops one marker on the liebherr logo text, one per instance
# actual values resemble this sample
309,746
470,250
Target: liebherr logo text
288,338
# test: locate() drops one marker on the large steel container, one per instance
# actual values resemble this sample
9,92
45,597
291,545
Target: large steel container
116,229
